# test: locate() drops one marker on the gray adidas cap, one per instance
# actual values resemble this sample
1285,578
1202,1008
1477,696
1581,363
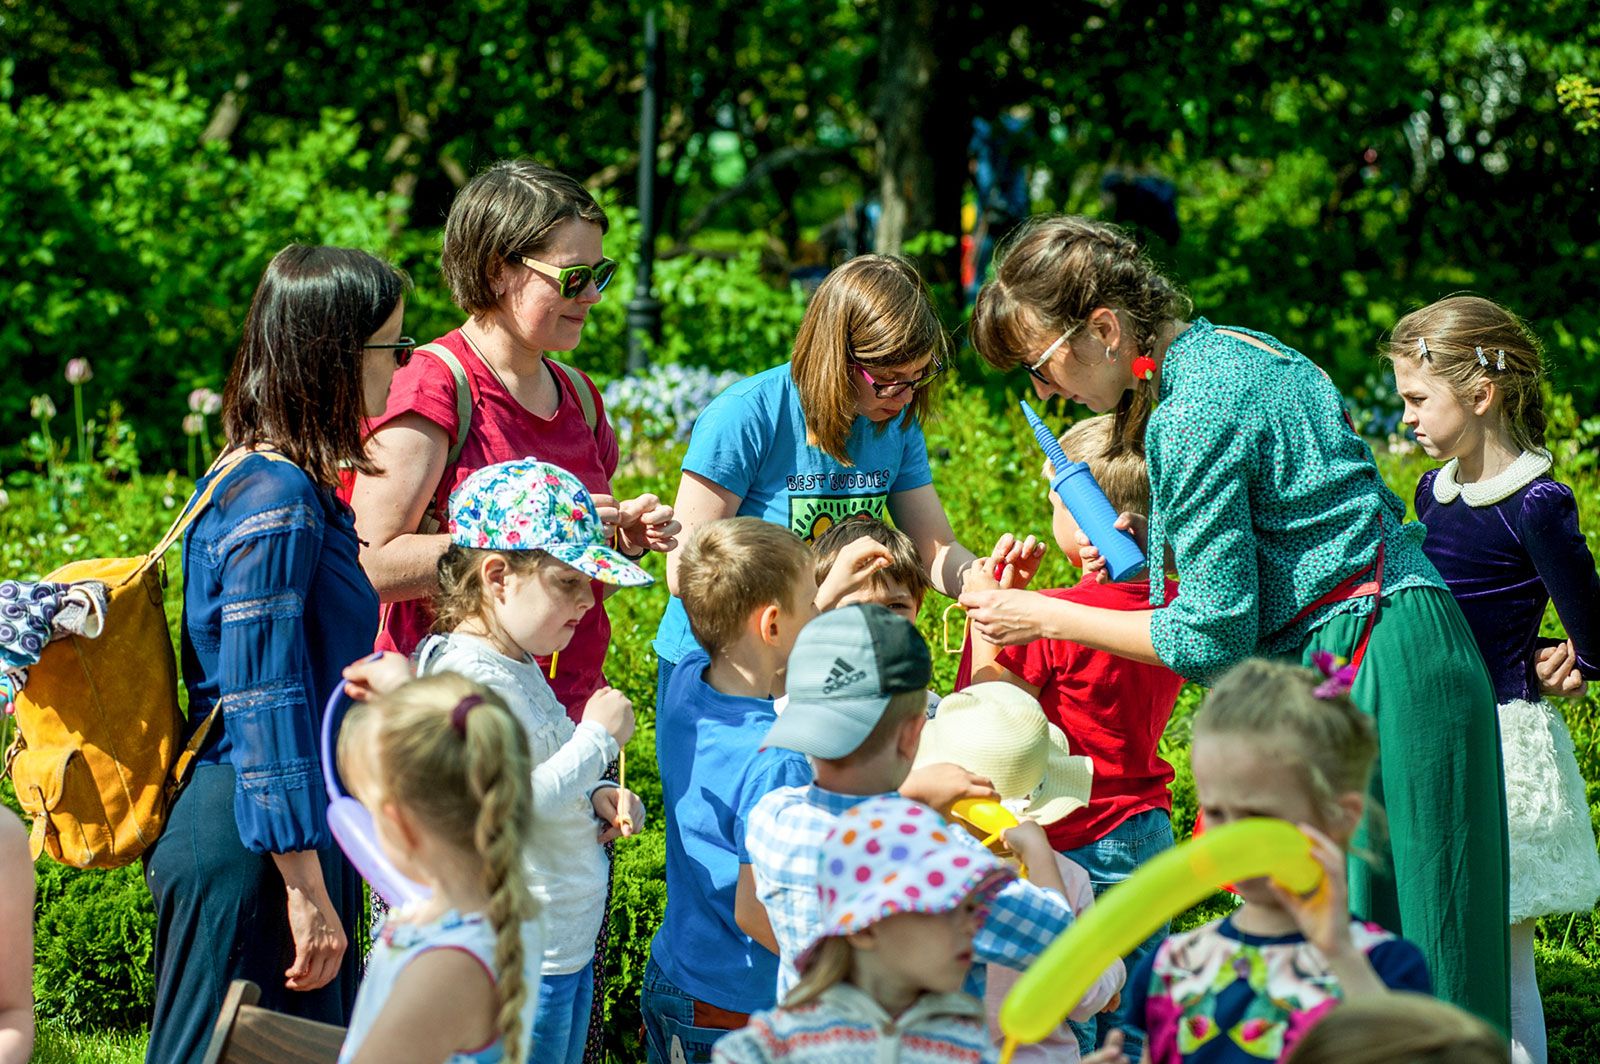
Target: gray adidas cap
845,667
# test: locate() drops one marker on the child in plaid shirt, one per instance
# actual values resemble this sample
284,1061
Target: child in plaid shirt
857,687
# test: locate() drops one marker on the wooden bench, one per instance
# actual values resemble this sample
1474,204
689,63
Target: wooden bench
245,1034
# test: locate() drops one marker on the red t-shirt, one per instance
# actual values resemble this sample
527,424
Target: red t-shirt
503,430
1111,708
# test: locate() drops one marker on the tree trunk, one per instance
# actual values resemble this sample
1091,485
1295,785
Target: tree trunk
922,127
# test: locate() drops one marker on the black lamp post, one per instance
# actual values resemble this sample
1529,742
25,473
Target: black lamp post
644,310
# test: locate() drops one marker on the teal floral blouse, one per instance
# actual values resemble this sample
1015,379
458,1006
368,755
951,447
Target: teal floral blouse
1267,498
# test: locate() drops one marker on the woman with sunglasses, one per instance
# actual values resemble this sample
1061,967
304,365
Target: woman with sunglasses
247,881
1286,543
523,258
833,434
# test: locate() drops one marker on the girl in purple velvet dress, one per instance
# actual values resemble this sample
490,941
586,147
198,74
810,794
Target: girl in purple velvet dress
1504,535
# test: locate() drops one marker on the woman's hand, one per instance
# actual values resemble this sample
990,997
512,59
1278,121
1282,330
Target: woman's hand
1004,617
640,524
377,674
1137,525
1557,671
319,939
1014,562
622,811
1323,916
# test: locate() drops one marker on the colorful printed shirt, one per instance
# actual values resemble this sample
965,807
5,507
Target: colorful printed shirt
785,835
1268,498
1216,995
844,1025
751,441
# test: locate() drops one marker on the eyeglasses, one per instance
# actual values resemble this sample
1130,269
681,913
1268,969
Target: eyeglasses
890,389
1033,367
402,349
572,280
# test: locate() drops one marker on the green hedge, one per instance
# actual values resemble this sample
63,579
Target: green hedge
94,929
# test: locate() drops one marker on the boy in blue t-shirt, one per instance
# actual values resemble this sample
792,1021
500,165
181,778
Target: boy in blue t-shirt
749,588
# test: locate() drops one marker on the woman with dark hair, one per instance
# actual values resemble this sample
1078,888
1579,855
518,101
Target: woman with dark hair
1287,543
247,881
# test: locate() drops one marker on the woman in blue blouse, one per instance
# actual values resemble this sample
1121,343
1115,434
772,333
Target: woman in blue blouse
247,881
1286,543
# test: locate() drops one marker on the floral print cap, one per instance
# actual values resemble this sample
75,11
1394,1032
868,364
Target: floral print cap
529,505
891,855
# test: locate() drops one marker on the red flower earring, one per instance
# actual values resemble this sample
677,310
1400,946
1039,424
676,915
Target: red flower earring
1144,368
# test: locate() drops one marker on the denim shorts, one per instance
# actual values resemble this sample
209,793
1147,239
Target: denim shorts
1109,860
670,1036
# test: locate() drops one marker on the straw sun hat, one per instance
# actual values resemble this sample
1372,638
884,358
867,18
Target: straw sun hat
998,730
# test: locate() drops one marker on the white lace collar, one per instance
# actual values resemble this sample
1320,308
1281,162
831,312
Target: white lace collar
1501,486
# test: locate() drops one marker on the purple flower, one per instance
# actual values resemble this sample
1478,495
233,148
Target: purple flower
1338,675
78,371
194,424
204,401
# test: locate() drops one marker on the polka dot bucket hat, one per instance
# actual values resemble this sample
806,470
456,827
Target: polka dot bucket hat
529,505
891,855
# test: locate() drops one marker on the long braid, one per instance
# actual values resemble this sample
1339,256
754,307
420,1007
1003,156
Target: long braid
472,785
504,790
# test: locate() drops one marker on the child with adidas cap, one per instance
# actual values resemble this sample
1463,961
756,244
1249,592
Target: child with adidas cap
857,689
999,730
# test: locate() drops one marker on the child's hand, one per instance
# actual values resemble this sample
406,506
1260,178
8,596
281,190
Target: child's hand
377,674
1557,670
1324,915
944,784
852,566
1093,563
1016,561
1111,1052
646,523
980,577
1111,1006
621,809
613,711
1029,843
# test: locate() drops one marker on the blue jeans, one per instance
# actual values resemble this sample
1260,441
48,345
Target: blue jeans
1109,861
562,1023
669,1022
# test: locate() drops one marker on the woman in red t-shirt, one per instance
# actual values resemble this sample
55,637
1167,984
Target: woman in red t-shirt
522,256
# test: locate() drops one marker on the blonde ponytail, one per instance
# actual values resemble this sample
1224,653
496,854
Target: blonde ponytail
451,753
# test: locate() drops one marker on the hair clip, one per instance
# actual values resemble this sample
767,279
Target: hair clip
1483,359
1499,360
458,715
1338,676
1422,348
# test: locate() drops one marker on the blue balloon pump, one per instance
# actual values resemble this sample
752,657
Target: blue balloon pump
1077,489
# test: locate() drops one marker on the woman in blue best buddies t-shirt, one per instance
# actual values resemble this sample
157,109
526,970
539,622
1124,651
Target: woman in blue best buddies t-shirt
834,434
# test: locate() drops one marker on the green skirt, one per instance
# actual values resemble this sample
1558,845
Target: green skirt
1430,862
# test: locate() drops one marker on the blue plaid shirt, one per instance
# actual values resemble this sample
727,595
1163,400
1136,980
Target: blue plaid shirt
787,828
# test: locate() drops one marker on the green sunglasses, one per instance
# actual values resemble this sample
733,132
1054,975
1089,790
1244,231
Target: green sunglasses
572,280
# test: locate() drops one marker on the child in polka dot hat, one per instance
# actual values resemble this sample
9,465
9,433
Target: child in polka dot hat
901,901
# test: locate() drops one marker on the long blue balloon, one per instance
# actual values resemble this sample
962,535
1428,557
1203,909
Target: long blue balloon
1078,490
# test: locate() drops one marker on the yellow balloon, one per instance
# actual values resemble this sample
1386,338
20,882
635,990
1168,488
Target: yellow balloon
985,814
1131,911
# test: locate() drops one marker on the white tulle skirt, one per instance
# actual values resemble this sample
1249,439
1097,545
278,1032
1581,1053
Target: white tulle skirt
1555,867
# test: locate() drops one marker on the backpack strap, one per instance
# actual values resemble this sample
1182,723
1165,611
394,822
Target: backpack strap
464,397
584,387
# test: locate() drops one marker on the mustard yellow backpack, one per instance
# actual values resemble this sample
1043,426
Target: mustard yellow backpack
98,755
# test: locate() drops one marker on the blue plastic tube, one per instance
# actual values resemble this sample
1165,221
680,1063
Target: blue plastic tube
1077,489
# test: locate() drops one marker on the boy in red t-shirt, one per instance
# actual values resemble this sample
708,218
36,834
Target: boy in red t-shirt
1112,709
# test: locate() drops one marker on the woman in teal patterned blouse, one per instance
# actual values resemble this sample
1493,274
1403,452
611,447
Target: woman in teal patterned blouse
1286,542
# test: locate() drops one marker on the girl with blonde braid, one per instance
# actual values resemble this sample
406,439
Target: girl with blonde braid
444,768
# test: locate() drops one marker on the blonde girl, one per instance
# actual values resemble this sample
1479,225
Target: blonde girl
1504,535
834,433
1276,740
443,767
526,546
1399,1028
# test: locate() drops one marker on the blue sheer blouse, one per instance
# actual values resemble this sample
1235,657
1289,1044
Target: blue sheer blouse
275,605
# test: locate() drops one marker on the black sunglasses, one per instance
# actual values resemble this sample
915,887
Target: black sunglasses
402,349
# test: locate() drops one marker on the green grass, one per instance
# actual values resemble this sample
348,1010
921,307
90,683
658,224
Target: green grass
55,1045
